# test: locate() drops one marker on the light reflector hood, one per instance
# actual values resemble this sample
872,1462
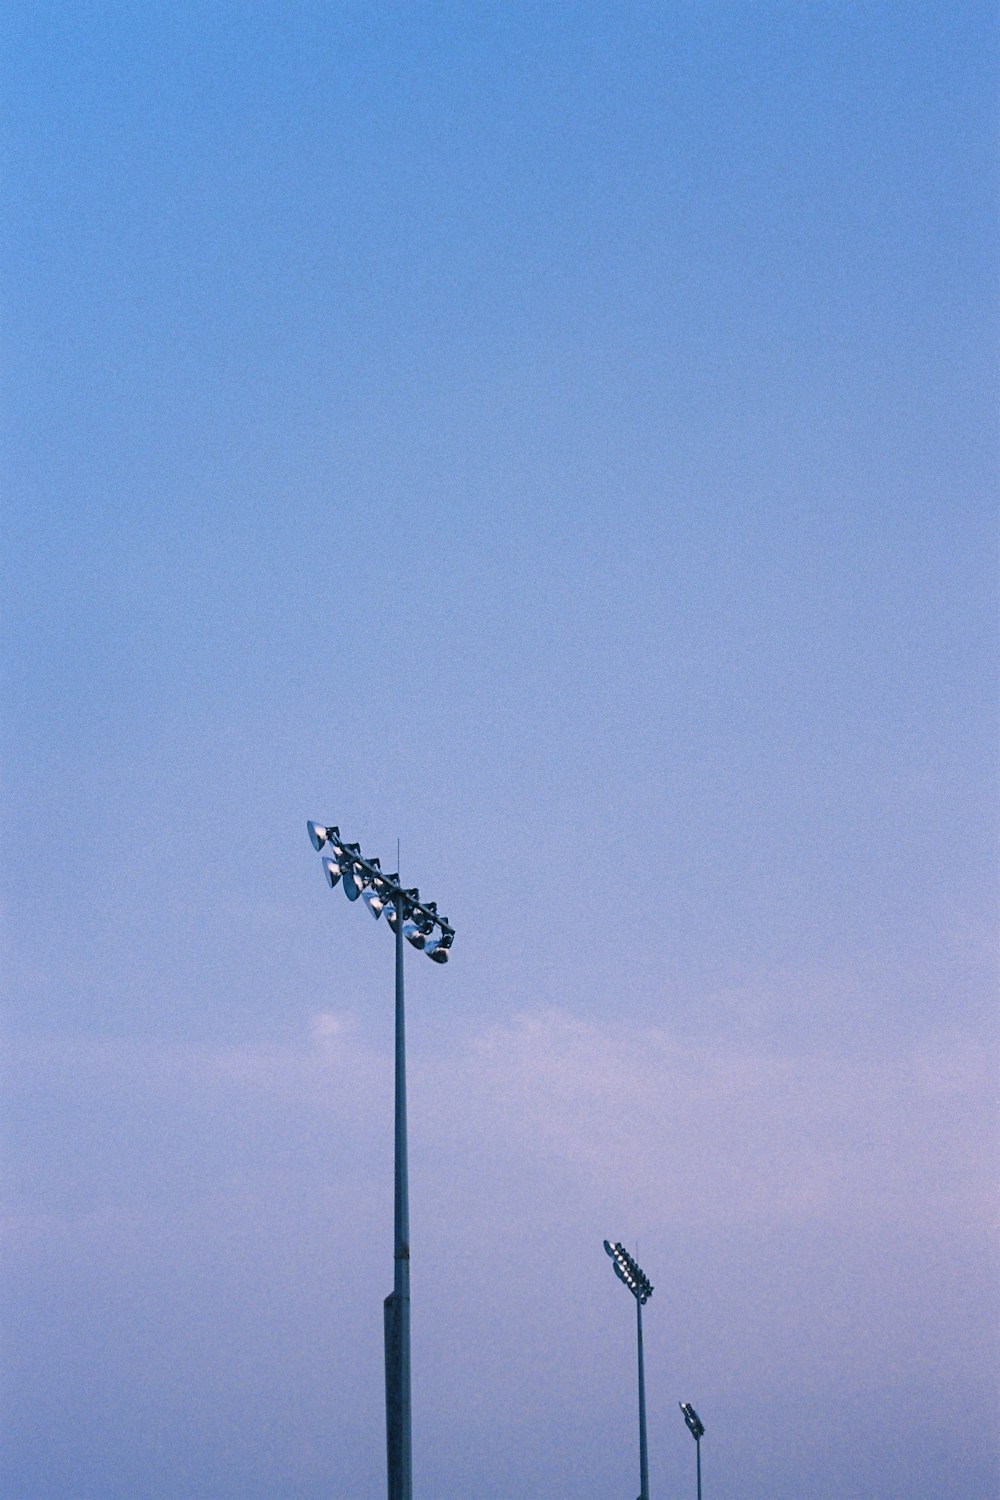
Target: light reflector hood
319,835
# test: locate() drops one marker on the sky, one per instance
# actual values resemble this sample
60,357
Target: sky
558,437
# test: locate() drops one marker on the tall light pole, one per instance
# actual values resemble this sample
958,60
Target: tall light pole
638,1283
696,1428
419,923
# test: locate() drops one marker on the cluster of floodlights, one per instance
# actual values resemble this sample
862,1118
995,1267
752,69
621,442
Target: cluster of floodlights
362,877
695,1425
627,1270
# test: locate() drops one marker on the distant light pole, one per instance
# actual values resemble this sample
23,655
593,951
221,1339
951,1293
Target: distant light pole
627,1270
696,1428
415,920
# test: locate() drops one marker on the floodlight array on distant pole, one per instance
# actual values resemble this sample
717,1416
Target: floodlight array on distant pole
628,1271
696,1428
418,922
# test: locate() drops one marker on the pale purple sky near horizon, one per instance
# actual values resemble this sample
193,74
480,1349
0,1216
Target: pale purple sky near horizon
558,437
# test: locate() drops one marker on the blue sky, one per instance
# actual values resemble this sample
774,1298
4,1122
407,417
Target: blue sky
558,437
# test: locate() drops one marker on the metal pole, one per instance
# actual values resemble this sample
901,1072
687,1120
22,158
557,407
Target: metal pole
643,1457
397,1305
697,1445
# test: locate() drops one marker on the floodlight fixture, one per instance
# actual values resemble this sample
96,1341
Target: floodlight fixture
414,933
437,948
320,835
374,900
418,921
378,896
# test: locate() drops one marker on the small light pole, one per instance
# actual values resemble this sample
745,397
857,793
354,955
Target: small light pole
627,1270
415,920
696,1428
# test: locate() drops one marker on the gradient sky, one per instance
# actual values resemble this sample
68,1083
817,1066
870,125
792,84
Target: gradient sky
557,436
